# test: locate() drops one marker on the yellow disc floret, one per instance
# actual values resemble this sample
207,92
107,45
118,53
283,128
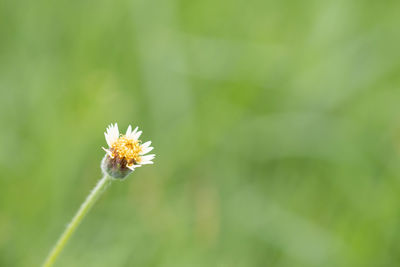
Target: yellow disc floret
127,149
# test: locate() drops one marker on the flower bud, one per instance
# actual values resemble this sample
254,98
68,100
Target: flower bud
115,167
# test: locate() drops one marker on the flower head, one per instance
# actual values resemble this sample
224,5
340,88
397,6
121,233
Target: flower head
125,152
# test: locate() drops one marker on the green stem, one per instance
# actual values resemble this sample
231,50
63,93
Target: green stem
85,207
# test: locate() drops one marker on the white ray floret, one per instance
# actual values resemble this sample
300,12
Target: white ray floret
108,152
136,135
147,159
130,133
146,150
133,167
112,134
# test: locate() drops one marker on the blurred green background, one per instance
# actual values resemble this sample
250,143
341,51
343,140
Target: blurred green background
276,126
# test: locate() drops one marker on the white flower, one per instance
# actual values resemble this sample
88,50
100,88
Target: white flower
126,151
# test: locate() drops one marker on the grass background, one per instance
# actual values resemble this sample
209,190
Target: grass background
276,126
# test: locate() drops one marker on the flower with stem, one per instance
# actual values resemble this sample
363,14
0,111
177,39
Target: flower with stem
125,152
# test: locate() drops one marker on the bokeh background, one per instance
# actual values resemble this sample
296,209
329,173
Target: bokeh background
276,126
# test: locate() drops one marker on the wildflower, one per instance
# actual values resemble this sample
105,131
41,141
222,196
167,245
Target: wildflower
125,152
123,155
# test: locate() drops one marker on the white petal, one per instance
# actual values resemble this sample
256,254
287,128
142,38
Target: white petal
116,131
146,150
136,129
148,143
148,157
108,152
112,134
128,132
107,139
137,135
110,128
132,133
133,167
107,135
147,162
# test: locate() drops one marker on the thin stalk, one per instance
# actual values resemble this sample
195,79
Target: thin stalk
83,210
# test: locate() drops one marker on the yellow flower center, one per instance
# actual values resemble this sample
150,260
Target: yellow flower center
128,149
